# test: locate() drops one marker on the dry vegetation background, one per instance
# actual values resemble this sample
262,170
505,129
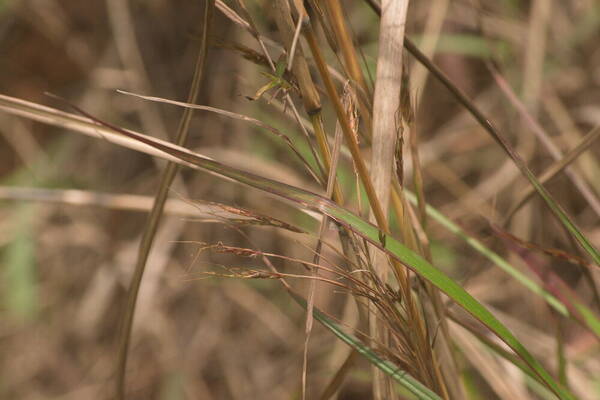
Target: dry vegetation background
68,251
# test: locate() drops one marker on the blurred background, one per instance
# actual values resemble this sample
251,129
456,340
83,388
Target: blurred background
72,208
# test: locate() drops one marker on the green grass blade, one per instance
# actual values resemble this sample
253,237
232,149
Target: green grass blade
562,216
400,376
493,257
587,317
450,288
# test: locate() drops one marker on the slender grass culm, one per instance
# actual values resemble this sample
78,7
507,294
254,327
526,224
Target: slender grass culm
344,206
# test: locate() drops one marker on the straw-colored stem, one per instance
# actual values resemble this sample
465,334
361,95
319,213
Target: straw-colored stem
346,46
347,130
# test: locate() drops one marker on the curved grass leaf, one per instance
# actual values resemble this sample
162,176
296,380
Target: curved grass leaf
492,256
586,315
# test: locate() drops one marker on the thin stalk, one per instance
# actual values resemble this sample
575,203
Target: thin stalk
157,209
310,95
347,130
248,23
346,46
321,136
